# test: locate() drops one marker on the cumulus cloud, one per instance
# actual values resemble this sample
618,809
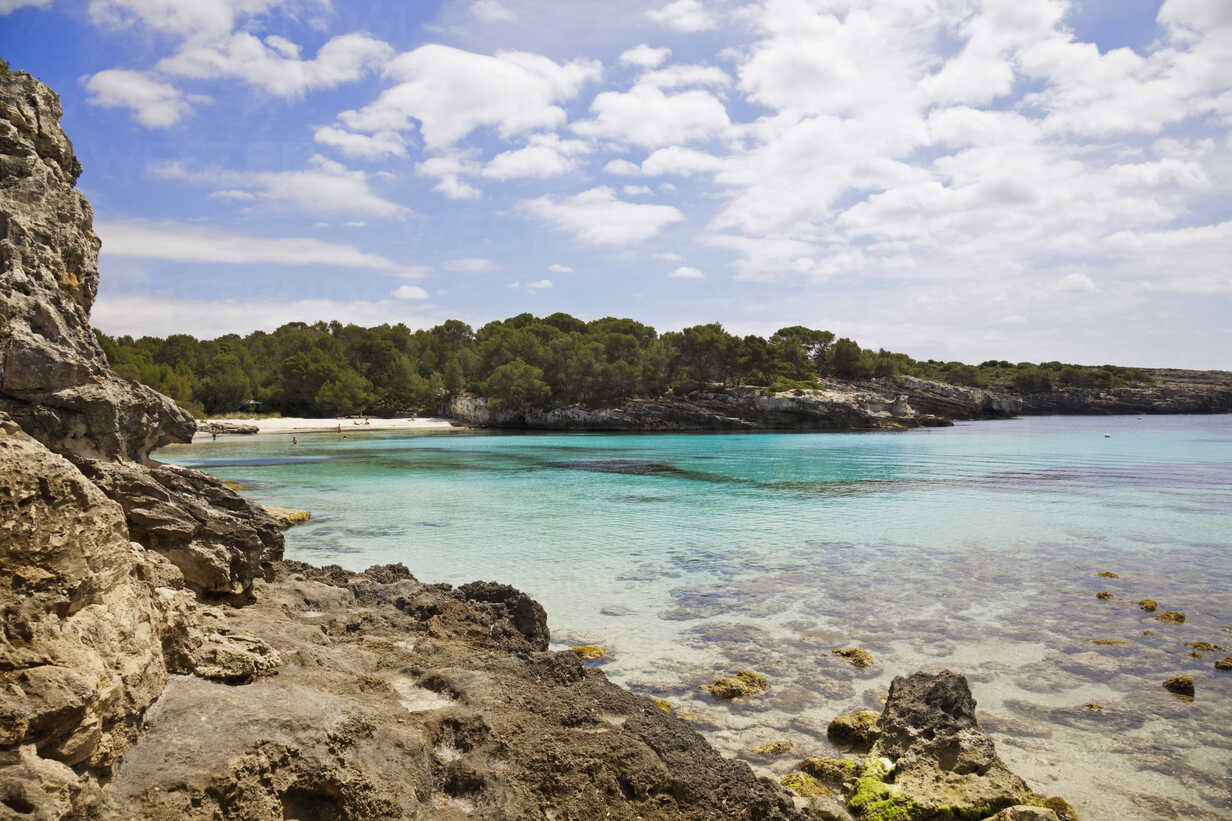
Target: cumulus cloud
647,117
684,76
448,170
560,269
200,19
644,56
622,168
684,15
362,146
598,217
450,93
274,64
155,104
9,6
546,155
539,284
682,161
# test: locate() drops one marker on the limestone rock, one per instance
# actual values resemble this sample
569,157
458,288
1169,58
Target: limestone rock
803,784
856,730
216,537
856,656
774,748
81,649
511,610
54,377
1171,617
936,761
1180,685
838,774
744,683
287,518
1024,813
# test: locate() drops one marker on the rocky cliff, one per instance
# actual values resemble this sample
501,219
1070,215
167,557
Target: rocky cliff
896,403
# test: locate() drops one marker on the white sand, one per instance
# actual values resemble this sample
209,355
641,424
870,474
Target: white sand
296,425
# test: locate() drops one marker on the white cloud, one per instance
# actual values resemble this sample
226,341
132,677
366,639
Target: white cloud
451,92
647,117
409,292
155,104
637,190
622,168
9,6
208,319
199,19
547,155
686,272
376,146
539,284
683,15
179,242
491,11
598,217
685,76
324,187
644,56
669,256
274,65
560,269
682,161
448,170
470,265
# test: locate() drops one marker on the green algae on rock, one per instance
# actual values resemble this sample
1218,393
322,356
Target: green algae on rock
1148,605
774,748
838,774
1204,646
1171,617
859,658
288,518
744,683
857,730
803,784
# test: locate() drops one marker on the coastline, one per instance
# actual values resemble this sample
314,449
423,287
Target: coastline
296,425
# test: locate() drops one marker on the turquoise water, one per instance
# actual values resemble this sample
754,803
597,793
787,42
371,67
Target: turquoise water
976,548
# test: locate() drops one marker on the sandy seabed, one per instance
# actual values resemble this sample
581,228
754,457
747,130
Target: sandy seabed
301,425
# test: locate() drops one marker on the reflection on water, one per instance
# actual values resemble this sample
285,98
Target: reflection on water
974,548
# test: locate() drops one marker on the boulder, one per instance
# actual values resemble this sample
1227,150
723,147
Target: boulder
1180,685
856,656
932,760
744,683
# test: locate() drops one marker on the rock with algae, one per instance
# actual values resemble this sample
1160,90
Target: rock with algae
801,783
744,683
773,748
587,652
288,518
1171,617
856,730
1180,685
1148,605
1224,664
856,656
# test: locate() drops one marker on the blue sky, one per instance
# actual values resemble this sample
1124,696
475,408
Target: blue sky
958,179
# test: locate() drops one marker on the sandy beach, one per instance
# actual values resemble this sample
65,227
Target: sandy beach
293,425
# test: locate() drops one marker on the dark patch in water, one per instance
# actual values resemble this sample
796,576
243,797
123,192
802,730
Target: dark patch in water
269,461
632,467
637,497
430,524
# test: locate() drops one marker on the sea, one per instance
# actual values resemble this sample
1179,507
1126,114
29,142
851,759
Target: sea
977,548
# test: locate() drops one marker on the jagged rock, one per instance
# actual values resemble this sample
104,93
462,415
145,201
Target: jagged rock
81,649
838,774
509,606
856,730
54,378
932,759
216,537
1180,685
227,427
803,784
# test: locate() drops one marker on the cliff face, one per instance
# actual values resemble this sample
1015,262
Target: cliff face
54,379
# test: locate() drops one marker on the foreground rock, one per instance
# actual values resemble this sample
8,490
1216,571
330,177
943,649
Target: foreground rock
397,699
932,760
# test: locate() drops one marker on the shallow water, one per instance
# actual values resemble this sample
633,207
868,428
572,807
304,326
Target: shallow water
688,556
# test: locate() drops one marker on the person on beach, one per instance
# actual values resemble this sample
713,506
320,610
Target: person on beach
340,427
294,440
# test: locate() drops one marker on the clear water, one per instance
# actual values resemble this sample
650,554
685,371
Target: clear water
688,556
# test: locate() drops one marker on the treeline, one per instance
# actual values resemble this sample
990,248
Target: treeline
330,369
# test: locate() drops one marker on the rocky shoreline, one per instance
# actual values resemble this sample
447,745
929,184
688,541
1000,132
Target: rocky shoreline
889,403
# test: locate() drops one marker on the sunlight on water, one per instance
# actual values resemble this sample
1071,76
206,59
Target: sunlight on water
688,556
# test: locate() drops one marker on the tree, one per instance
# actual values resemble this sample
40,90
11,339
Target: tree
845,360
517,386
346,394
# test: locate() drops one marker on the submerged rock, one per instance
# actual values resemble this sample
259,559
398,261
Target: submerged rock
856,656
1224,664
1204,646
744,683
1108,574
855,730
1180,685
1104,596
1148,605
587,652
838,774
801,783
774,748
1171,617
1024,812
287,518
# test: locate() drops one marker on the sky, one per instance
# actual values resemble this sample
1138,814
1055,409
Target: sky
955,179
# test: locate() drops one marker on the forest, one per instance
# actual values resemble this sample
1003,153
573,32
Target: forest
524,362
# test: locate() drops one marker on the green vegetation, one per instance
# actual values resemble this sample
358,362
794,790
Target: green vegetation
330,369
4,68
